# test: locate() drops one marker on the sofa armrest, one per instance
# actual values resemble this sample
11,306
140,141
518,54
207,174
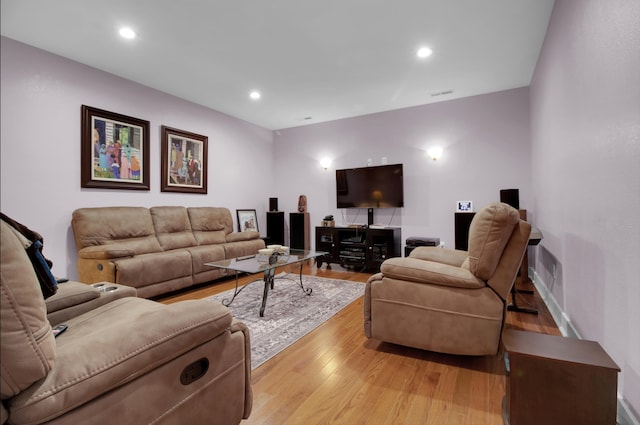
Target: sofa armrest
430,272
70,294
238,326
242,236
75,298
452,257
96,263
104,252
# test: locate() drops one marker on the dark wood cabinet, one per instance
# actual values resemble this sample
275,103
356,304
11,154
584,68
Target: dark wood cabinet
325,242
557,380
362,248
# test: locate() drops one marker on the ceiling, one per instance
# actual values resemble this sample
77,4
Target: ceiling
312,61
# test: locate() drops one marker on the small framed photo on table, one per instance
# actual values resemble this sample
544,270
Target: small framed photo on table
464,206
247,220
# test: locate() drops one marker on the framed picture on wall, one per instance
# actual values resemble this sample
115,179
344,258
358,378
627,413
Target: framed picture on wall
114,150
247,220
183,161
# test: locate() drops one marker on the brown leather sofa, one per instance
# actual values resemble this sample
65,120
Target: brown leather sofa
122,359
159,249
450,301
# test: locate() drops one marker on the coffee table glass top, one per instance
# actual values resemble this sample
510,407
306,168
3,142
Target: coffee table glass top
266,264
260,263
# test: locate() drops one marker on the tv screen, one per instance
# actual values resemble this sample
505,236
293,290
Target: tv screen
370,187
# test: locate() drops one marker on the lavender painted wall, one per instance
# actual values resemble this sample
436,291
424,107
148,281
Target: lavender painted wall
585,109
40,146
570,143
486,148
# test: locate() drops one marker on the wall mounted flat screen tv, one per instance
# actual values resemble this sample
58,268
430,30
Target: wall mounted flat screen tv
370,187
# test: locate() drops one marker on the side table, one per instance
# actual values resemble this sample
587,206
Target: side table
557,380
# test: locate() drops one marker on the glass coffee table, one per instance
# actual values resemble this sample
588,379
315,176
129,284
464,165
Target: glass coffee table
253,264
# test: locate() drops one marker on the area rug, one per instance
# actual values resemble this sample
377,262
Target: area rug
290,314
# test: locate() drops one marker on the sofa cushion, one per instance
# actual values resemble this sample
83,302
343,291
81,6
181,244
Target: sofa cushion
148,269
126,228
205,254
172,226
247,235
210,225
28,348
489,233
240,249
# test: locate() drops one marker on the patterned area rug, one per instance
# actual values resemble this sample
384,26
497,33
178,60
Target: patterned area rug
290,314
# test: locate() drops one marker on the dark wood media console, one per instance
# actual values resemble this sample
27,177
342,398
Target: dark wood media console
362,248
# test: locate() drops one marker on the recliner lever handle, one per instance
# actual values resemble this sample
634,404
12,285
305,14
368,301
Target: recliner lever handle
194,371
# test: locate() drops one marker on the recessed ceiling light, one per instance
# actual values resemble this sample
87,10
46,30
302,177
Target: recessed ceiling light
127,33
424,52
255,95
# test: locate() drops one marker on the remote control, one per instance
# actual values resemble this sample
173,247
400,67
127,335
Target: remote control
59,329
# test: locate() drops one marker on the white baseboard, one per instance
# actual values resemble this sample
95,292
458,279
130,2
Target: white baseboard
625,417
559,316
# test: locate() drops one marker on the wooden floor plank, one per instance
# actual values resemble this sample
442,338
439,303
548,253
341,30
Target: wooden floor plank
335,375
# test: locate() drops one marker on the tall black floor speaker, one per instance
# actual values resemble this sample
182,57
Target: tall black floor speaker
510,197
275,227
299,230
462,223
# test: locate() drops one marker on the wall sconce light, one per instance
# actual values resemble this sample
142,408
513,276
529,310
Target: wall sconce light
435,152
325,163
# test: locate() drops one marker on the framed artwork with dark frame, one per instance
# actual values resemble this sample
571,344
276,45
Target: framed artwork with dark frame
247,220
114,151
183,161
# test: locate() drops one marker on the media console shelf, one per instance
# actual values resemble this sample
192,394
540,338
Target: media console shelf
363,248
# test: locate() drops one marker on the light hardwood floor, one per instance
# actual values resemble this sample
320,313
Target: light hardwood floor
335,375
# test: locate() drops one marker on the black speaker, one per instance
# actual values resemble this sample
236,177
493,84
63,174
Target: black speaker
275,227
462,223
510,197
273,204
370,216
299,230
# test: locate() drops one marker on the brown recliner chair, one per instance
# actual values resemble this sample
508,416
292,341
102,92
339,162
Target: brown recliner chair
446,300
122,359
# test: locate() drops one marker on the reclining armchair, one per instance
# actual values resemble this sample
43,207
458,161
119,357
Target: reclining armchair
446,300
121,360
